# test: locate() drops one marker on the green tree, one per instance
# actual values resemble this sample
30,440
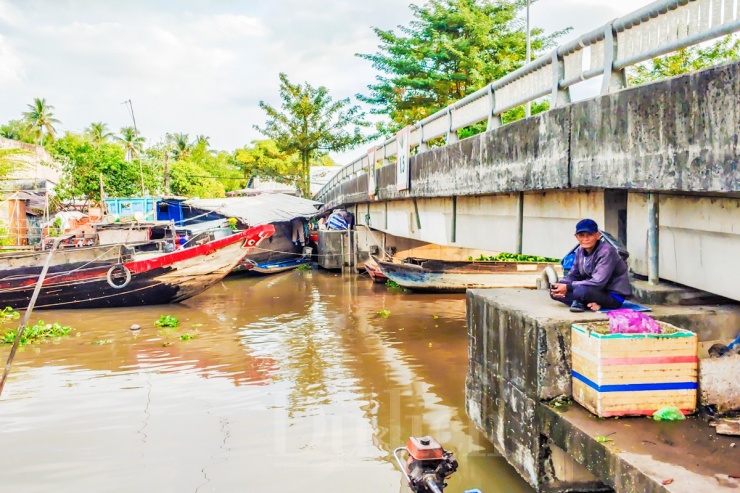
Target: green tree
132,143
15,130
451,49
191,180
310,123
180,145
83,164
264,160
687,60
39,120
98,133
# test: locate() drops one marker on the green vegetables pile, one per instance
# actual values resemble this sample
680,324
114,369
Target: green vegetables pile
513,257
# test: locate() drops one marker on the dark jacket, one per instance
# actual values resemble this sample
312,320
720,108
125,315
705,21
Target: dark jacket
603,269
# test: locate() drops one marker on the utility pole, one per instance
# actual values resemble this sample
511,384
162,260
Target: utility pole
167,170
136,136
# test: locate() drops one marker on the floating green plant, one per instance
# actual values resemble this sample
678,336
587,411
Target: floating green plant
37,333
188,337
167,321
384,313
391,284
7,314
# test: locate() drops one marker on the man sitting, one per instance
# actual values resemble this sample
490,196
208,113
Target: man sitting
598,278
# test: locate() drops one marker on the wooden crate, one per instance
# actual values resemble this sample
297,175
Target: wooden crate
633,374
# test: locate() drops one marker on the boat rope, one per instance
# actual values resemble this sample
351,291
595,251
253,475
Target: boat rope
29,310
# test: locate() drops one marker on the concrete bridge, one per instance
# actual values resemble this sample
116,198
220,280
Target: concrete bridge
656,164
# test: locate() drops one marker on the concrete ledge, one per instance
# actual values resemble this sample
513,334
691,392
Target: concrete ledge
642,454
667,293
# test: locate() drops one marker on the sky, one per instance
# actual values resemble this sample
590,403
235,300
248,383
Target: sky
202,67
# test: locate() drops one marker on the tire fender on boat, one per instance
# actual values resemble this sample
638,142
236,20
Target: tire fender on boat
113,270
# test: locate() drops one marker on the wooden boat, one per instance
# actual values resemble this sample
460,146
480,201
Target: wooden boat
419,274
120,275
374,271
273,266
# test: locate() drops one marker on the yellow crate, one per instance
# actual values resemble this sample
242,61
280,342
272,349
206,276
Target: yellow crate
633,374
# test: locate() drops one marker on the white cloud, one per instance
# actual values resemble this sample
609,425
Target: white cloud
11,68
10,14
230,26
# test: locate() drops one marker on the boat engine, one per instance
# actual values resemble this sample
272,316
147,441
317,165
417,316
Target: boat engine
427,465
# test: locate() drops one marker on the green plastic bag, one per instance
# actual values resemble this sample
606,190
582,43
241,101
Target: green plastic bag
668,413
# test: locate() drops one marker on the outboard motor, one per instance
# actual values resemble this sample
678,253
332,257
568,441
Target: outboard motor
427,465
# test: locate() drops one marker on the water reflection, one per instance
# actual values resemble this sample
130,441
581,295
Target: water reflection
294,382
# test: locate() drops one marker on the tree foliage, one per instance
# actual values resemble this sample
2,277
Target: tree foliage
131,142
39,121
16,130
450,49
189,179
687,60
98,133
310,122
264,160
83,163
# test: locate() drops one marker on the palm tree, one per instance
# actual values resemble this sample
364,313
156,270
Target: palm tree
131,142
181,145
202,140
98,133
40,120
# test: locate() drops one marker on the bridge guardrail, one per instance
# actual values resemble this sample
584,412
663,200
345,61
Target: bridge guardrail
657,29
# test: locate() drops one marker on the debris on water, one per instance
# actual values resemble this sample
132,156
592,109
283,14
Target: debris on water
135,327
667,481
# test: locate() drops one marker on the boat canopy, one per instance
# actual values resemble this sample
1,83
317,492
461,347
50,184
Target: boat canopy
259,209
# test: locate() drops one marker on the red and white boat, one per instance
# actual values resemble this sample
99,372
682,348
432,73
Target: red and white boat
118,275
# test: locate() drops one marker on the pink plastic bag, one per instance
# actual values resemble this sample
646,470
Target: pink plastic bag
626,321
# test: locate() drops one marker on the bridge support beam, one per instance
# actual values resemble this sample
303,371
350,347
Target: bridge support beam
653,238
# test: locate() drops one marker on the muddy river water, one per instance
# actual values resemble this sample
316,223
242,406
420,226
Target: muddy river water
303,381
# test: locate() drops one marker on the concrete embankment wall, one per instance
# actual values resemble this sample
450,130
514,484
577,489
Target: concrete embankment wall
520,358
598,158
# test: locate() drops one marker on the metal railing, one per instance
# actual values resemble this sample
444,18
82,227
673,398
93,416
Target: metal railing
659,28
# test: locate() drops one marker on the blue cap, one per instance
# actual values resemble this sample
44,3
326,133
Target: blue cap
587,226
